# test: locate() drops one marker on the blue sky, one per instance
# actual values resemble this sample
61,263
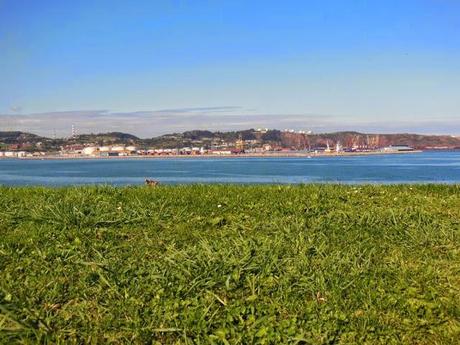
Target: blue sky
175,65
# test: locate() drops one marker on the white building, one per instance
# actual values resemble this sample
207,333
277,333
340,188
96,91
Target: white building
91,150
398,148
222,152
338,147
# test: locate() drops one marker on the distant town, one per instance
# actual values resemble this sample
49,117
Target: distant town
251,142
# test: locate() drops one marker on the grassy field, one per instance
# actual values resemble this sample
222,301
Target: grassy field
230,265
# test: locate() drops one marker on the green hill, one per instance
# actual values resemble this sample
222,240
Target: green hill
206,138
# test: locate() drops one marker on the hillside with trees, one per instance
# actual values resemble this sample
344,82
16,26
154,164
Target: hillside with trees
16,140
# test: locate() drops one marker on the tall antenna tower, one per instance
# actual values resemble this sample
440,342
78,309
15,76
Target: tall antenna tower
74,131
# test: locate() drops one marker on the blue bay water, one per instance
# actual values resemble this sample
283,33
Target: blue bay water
427,167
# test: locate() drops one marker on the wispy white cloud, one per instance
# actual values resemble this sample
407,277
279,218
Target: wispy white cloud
157,122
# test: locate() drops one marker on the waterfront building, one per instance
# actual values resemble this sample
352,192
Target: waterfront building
398,148
90,150
338,147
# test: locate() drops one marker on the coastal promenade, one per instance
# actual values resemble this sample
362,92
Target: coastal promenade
227,156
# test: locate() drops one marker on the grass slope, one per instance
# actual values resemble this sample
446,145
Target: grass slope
230,265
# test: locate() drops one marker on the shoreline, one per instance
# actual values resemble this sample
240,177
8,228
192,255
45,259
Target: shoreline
214,156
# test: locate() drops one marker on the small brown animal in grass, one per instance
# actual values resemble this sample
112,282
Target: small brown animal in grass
151,183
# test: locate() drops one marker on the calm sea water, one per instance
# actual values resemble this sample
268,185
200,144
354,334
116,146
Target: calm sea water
427,167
